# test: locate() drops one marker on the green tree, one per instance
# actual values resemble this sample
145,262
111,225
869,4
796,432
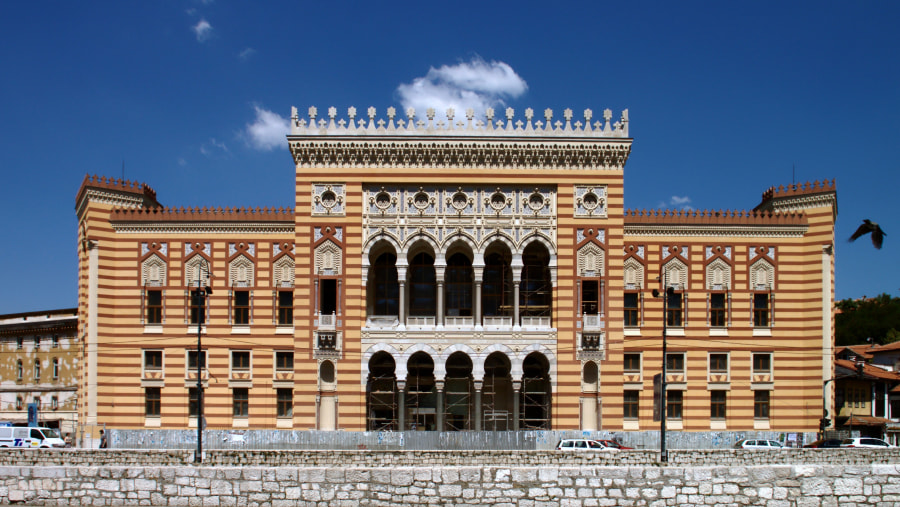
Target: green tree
858,319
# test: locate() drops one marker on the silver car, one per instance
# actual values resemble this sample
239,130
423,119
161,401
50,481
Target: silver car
758,444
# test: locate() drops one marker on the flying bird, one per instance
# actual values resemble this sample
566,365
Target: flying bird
867,227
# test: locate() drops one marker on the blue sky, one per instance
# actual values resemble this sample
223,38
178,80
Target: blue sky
725,98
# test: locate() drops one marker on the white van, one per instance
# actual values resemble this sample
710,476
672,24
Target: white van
30,437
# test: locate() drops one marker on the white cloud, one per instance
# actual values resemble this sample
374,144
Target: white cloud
203,30
268,131
246,54
213,146
476,84
677,202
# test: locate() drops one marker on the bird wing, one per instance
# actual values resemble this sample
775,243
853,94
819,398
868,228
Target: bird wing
878,237
863,229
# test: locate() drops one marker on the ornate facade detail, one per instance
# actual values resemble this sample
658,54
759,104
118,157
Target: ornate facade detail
153,271
328,199
762,275
283,271
676,274
590,201
241,272
591,260
634,274
328,258
196,268
718,275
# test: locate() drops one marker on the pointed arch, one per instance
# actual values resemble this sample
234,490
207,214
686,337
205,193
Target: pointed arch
283,271
591,260
197,267
241,272
718,275
153,271
762,275
634,274
676,274
328,258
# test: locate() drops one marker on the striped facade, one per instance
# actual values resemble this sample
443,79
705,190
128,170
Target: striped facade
482,277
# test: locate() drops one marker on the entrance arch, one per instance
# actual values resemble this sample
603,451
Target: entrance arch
497,393
381,393
458,388
421,399
536,392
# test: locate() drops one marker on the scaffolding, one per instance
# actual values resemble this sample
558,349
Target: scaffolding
381,400
458,404
421,401
535,404
495,403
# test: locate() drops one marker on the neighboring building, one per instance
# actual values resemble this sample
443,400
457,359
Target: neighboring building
460,275
39,355
867,391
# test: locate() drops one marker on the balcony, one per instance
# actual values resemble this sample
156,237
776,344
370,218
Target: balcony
328,345
543,322
326,321
594,321
459,321
592,346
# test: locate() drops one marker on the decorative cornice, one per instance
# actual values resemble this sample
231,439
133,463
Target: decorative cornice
489,127
203,221
204,228
714,223
116,192
799,196
459,153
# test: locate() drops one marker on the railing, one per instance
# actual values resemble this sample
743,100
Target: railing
459,321
592,321
591,342
496,321
535,321
420,321
326,341
327,321
382,321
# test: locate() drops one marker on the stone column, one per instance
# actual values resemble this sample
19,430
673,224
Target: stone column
478,411
477,318
439,321
401,282
517,391
316,300
401,405
516,304
439,405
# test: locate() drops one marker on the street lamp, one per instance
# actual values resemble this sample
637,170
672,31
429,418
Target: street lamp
668,291
200,294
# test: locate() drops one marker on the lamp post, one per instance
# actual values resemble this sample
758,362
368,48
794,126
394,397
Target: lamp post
202,292
667,291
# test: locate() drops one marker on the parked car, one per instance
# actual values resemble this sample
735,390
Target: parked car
758,444
824,443
582,444
615,445
866,442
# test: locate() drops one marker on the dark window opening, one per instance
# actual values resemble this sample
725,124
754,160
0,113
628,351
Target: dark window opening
761,310
285,307
631,404
459,286
241,307
422,286
154,306
285,402
674,403
760,404
241,397
717,404
153,401
153,359
631,309
496,289
674,310
328,296
717,313
387,290
590,297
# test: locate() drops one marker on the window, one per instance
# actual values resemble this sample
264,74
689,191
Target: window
717,311
631,309
154,306
20,403
54,402
284,361
590,297
386,288
631,403
760,404
20,370
674,402
37,370
241,301
422,286
37,342
328,296
240,359
674,310
718,363
761,310
717,404
241,397
193,402
762,363
19,342
632,363
286,307
192,360
459,283
152,401
496,290
285,401
675,362
153,359
55,368
55,341
198,306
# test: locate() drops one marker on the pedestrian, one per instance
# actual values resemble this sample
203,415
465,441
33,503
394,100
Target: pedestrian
103,442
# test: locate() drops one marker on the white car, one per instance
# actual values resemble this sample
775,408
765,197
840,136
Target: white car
758,444
866,442
581,444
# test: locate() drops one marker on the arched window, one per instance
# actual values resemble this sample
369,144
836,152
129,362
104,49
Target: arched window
459,286
422,286
386,289
536,292
496,290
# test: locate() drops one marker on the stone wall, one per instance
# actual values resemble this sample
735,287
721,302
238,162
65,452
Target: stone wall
469,478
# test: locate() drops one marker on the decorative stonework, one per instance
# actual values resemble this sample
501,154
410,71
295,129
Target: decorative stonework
283,271
762,275
248,248
634,274
590,260
328,259
191,267
676,274
240,272
590,201
328,199
718,275
153,271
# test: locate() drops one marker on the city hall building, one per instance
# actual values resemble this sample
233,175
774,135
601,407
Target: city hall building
451,275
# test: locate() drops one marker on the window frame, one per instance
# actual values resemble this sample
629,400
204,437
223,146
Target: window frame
769,359
631,315
284,313
284,402
714,367
674,407
762,408
37,370
675,313
625,363
241,311
152,402
762,316
670,370
193,402
284,353
241,360
54,364
240,402
718,407
631,407
153,310
718,316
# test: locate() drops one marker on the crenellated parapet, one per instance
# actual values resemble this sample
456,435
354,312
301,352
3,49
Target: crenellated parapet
711,222
114,191
469,143
799,196
192,220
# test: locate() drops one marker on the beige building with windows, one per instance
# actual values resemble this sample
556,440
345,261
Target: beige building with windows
39,364
459,274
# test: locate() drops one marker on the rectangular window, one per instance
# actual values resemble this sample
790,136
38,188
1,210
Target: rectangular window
762,363
286,307
631,309
198,306
55,368
19,342
241,315
760,404
37,342
590,297
192,360
674,310
717,405
284,361
631,403
285,400
240,359
632,363
54,402
718,364
193,405
152,401
761,310
675,363
674,402
37,370
241,397
154,306
717,310
55,342
153,359
328,296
